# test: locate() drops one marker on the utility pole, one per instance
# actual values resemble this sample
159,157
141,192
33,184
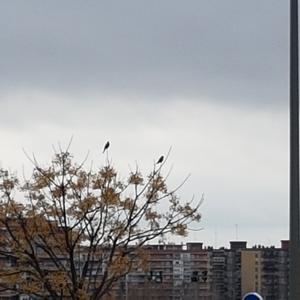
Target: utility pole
294,283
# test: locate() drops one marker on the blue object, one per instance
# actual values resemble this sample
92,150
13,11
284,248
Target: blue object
252,296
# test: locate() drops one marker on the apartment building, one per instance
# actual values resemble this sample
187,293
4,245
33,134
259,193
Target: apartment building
174,272
226,271
265,270
251,269
191,271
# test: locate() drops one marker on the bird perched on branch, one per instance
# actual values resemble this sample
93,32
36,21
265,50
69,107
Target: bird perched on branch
106,147
161,159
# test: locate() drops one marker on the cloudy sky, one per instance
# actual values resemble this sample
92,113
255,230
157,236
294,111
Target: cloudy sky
207,78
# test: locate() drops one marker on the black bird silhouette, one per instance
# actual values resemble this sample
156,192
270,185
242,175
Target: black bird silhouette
161,159
106,147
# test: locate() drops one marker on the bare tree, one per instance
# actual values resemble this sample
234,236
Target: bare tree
75,232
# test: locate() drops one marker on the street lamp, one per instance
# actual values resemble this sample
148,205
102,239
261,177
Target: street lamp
294,283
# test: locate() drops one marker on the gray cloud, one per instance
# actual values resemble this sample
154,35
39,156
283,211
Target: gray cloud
209,78
237,157
233,51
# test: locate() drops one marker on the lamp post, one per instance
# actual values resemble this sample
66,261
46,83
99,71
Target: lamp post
294,156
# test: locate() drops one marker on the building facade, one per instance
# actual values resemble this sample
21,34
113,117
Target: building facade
179,272
191,271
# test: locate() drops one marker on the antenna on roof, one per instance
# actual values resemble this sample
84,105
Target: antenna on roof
236,232
215,238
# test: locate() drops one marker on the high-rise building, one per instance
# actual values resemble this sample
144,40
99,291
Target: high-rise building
174,272
266,270
251,269
191,271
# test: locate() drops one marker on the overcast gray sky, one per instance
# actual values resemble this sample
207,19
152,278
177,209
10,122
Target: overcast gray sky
209,78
